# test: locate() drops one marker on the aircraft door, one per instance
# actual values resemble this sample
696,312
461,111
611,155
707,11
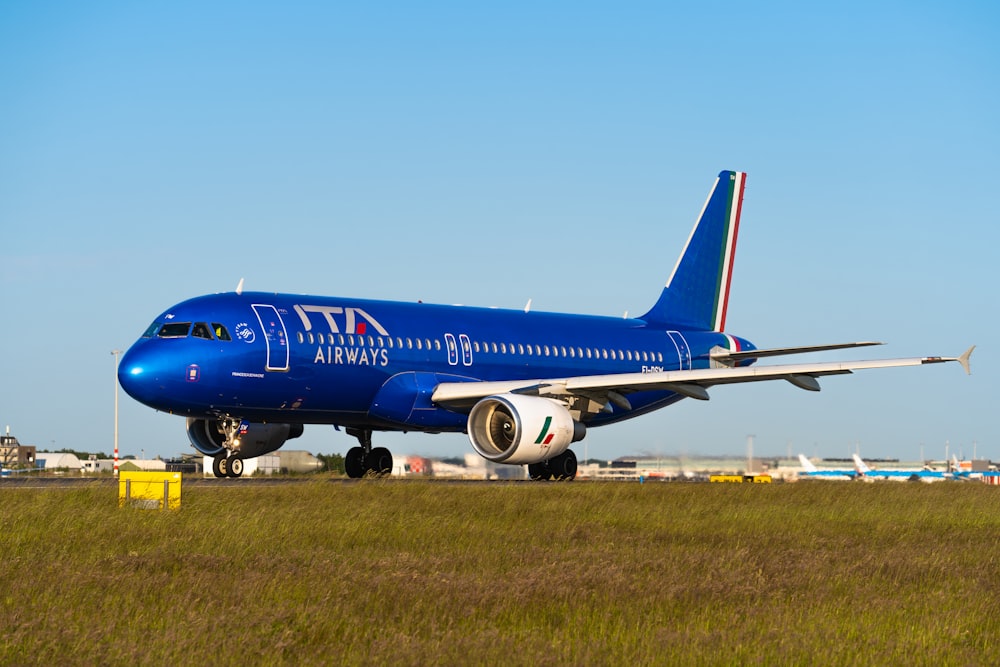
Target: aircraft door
449,340
274,335
683,351
466,349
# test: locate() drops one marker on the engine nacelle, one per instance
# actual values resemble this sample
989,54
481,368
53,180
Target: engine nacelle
209,438
516,429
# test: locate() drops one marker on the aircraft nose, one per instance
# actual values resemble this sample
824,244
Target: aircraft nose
139,375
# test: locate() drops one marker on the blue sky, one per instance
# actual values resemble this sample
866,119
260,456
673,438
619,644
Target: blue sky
457,153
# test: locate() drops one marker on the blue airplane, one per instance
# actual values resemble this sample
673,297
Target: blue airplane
900,475
810,471
249,370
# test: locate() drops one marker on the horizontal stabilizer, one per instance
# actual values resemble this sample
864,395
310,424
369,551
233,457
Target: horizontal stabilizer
727,358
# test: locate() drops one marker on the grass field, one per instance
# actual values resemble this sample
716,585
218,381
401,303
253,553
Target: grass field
406,572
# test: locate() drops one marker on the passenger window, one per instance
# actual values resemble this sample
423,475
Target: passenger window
301,338
437,345
220,331
175,330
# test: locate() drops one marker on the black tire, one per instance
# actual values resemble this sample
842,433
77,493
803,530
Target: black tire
354,463
564,466
379,462
234,466
539,471
219,467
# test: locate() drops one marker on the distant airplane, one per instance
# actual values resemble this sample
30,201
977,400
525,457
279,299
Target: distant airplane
248,370
811,471
898,475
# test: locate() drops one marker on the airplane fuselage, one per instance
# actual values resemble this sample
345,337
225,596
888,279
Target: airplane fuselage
351,362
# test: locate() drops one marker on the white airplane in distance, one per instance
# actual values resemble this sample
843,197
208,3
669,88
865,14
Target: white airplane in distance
810,471
897,474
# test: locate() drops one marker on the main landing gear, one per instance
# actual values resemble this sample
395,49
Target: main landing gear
562,467
227,466
366,461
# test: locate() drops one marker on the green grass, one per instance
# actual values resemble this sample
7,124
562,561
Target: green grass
427,573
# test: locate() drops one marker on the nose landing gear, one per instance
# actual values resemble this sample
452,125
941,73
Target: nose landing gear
227,466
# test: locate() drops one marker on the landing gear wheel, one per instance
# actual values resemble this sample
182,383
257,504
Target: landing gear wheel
379,462
563,467
539,471
354,463
234,466
219,467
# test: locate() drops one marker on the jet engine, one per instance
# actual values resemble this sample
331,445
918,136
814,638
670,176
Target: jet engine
209,437
516,429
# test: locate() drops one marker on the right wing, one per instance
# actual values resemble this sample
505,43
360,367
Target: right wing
614,388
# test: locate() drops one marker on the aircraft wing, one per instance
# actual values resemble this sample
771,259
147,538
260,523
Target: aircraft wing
694,383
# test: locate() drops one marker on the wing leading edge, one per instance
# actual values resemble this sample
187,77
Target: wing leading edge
461,396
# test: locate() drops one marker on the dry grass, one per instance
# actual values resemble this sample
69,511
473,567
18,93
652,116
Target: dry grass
429,573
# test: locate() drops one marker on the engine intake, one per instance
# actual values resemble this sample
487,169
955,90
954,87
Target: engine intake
208,437
516,429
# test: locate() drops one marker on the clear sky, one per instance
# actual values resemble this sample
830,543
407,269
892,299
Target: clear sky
459,153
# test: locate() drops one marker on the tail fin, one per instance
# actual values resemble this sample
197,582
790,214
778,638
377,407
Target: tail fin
807,465
697,294
860,465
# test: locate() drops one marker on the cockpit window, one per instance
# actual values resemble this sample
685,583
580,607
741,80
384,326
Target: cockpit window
151,331
220,331
201,330
174,330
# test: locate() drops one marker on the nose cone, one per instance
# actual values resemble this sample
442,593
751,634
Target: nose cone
140,374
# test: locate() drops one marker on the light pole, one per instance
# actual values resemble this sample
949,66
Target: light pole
116,354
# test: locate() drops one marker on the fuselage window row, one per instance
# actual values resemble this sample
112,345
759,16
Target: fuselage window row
480,348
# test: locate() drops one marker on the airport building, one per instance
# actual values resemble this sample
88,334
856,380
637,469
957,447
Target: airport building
15,455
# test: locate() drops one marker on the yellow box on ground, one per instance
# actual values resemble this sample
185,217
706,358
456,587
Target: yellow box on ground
149,490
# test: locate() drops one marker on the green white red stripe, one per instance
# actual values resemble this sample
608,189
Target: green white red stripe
733,209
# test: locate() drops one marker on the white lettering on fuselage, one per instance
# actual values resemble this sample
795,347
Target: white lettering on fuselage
652,369
351,356
355,320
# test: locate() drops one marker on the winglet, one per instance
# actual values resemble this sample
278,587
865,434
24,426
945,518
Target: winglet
964,360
